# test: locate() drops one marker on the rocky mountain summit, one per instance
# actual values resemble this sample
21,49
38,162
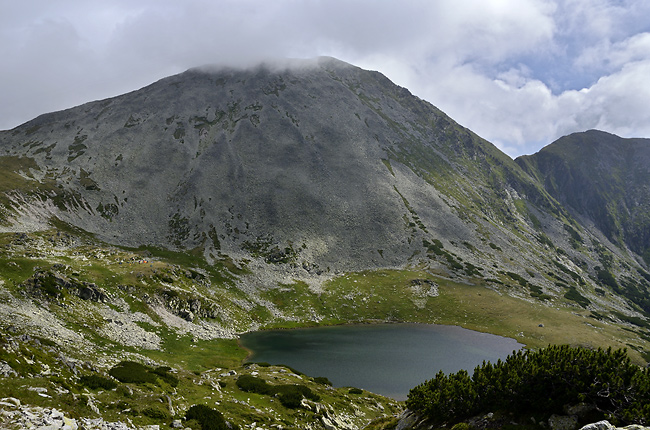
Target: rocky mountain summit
156,226
312,167
602,179
313,162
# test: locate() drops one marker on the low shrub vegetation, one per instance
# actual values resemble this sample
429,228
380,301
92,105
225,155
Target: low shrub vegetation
96,382
540,383
207,418
323,380
290,395
136,373
163,373
132,372
156,413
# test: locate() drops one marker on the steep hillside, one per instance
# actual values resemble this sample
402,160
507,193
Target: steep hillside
315,162
302,170
602,178
158,225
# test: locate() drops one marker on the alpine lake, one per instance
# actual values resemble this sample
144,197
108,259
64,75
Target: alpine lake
387,359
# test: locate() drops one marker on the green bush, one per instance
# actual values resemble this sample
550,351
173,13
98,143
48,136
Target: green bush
156,413
355,391
124,391
290,395
605,277
208,418
289,392
575,295
95,382
163,373
136,373
253,384
540,382
130,371
291,400
322,380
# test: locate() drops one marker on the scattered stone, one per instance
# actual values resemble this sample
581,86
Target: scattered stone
563,422
581,410
38,389
10,401
6,370
600,425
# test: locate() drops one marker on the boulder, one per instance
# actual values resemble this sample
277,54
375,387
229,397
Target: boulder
10,401
563,422
6,370
600,425
407,420
92,292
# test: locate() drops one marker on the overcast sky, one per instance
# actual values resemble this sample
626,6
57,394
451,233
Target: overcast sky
520,73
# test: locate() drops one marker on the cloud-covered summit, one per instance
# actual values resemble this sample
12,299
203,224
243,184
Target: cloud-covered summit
520,73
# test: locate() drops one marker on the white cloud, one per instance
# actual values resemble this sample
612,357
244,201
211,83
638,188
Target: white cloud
613,56
619,102
511,70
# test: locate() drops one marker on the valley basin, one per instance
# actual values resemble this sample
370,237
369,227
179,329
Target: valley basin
386,359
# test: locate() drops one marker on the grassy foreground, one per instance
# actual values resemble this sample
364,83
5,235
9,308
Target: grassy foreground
149,293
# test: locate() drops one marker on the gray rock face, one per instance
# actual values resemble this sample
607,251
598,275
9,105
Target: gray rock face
48,284
6,370
316,162
301,171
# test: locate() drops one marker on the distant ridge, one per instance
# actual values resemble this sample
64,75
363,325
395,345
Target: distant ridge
602,178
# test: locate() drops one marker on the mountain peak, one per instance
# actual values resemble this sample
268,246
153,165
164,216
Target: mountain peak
308,166
602,178
278,65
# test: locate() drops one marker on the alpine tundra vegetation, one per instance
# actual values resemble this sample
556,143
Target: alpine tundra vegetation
141,234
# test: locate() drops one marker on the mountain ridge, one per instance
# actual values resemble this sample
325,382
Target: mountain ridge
307,167
194,140
603,178
158,225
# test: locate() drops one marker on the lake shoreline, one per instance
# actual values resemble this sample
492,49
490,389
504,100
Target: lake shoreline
387,359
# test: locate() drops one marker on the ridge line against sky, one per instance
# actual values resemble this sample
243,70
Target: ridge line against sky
520,73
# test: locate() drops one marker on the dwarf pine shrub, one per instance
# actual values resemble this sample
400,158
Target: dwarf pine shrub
540,382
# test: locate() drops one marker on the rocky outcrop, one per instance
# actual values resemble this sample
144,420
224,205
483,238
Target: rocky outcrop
49,284
13,414
411,420
606,425
186,307
6,370
408,420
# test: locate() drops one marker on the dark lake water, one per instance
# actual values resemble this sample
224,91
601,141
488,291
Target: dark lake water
387,359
